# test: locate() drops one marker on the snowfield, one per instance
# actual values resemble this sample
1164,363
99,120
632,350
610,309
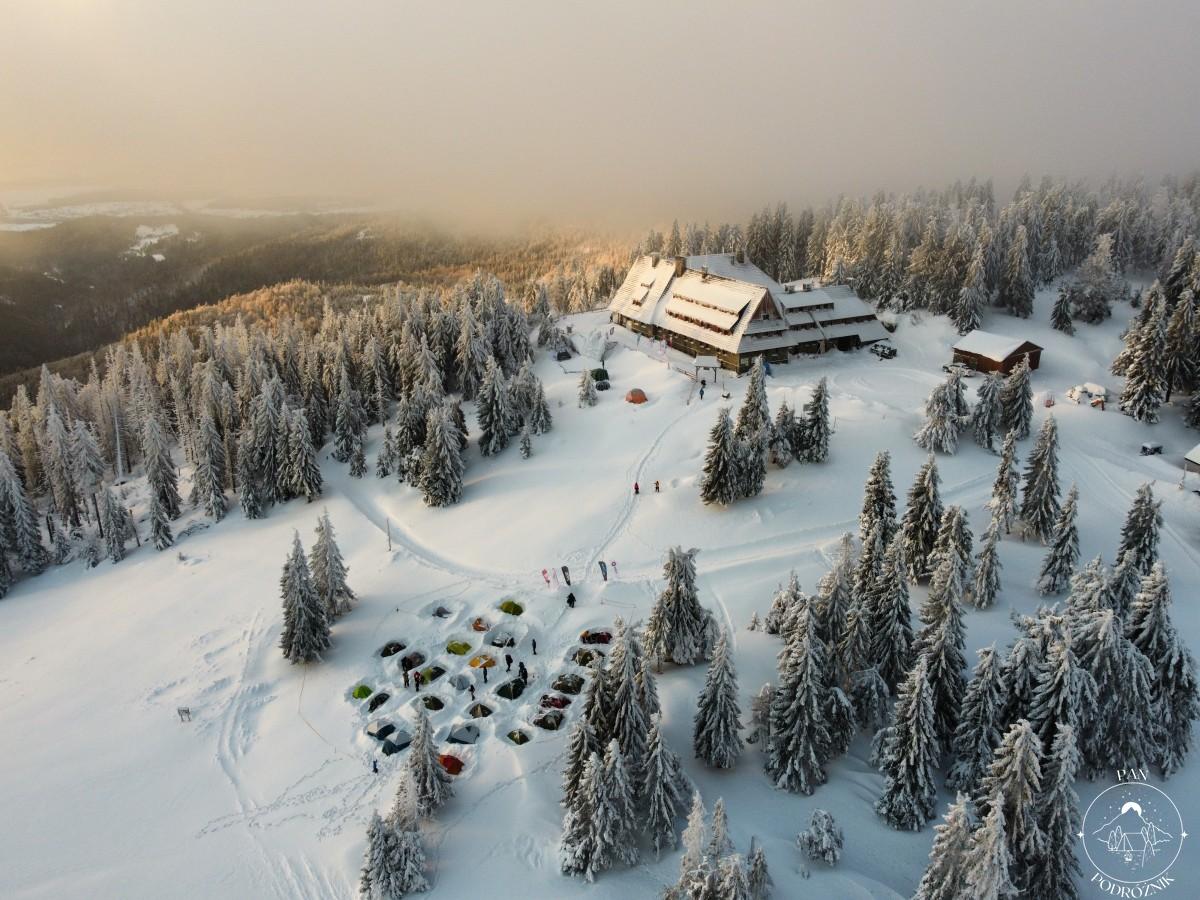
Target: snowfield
266,792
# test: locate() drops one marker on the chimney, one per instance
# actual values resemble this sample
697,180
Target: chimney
680,265
654,258
741,257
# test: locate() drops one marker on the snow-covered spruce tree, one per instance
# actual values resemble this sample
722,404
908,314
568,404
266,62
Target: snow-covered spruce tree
117,525
719,480
525,444
909,756
626,718
941,643
823,840
492,414
955,543
1176,702
431,783
1003,503
759,878
1016,399
395,858
1063,554
1123,730
1019,675
303,474
614,814
441,477
856,641
987,568
943,878
350,420
358,461
799,741
1139,534
733,878
715,737
1122,584
160,469
1016,281
61,549
889,619
678,627
719,842
373,878
540,420
666,792
250,486
1052,875
1146,373
977,734
780,445
1014,782
694,865
754,415
785,603
1060,315
814,426
578,848
6,575
87,463
750,457
988,861
18,521
922,518
160,524
647,690
55,445
940,431
210,468
1039,502
988,413
305,618
582,742
833,603
1183,352
329,571
972,297
871,698
879,500
1065,695
587,389
760,717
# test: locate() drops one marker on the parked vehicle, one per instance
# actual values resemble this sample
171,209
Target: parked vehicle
1151,449
960,369
883,350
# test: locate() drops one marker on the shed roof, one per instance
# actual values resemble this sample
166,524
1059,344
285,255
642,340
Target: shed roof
998,347
1193,455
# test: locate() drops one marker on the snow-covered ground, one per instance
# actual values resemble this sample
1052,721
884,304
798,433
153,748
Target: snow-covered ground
266,792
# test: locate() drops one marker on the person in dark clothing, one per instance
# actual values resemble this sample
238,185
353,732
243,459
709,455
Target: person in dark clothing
507,662
703,385
417,679
657,487
484,674
471,688
635,489
375,766
571,600
522,672
534,646
405,669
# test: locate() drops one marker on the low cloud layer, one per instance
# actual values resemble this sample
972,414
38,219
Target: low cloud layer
616,112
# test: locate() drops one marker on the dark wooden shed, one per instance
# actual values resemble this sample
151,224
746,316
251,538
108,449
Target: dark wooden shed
987,352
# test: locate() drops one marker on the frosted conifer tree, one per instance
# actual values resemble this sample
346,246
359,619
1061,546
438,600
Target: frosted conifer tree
87,462
750,456
250,491
117,524
579,846
693,865
1183,346
754,415
587,389
879,500
1146,375
431,783
823,840
160,469
780,446
1063,555
715,737
871,698
890,619
1004,489
160,524
833,603
759,877
303,474
954,543
940,430
1139,534
582,743
733,879
305,619
760,716
1176,702
977,734
540,420
972,297
1039,502
1017,400
719,842
909,756
1016,281
358,461
814,425
855,646
1014,782
986,869
784,604
922,518
627,722
1053,874
647,689
677,629
799,741
441,477
18,521
526,444
329,571
941,643
1065,695
988,413
943,878
1122,584
210,468
492,412
350,420
987,568
1060,315
372,881
665,792
613,814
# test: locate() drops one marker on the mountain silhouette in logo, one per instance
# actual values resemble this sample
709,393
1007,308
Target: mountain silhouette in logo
1131,834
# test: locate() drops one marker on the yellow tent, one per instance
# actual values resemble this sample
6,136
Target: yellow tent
482,661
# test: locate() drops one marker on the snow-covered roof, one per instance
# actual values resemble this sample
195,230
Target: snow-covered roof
1193,455
990,346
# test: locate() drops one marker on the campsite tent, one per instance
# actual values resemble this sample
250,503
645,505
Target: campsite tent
635,395
451,764
482,661
464,734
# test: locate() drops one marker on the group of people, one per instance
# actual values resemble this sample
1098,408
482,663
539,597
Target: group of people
637,489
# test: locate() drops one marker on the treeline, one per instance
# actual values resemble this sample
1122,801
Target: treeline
956,250
250,406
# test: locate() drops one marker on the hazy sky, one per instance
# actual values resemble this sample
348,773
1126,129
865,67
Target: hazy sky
626,111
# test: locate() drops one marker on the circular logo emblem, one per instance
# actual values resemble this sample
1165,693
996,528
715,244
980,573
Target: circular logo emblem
1132,832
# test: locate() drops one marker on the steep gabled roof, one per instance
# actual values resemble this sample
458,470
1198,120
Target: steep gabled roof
996,347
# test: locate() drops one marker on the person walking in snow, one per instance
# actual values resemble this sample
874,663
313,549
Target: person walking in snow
635,489
703,385
484,674
405,670
375,766
522,672
571,600
471,688
417,682
508,662
657,487
534,640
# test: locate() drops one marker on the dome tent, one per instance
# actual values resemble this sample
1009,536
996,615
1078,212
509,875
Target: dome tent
635,395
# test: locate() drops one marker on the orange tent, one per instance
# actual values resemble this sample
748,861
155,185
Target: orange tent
635,395
482,661
451,764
